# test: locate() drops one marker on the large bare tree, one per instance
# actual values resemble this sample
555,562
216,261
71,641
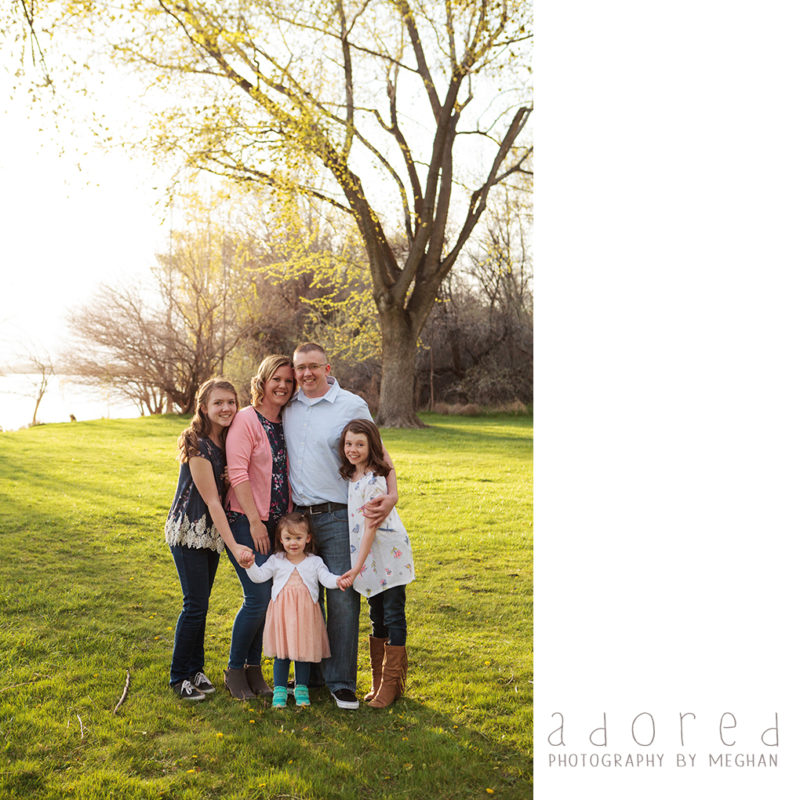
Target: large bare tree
406,113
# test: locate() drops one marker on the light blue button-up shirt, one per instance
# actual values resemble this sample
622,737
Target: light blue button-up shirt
312,427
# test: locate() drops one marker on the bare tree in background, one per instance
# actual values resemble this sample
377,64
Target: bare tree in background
43,368
124,347
37,366
157,350
479,338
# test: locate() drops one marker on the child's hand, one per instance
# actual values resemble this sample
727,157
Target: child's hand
244,556
346,580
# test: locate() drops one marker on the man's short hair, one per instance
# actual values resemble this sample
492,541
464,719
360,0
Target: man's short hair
307,347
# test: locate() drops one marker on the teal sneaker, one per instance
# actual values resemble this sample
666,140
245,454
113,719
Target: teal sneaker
301,695
279,694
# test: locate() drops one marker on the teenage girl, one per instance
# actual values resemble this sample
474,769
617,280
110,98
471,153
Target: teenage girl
197,530
381,559
294,629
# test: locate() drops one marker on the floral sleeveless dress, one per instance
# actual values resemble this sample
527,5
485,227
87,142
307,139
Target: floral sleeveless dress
389,562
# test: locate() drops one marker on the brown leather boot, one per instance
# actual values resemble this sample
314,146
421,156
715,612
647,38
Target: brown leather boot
393,681
237,684
255,680
376,663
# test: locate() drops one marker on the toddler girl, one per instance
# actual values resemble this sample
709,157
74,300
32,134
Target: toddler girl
294,629
381,559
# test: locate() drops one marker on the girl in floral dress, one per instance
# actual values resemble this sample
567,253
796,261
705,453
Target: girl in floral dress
381,560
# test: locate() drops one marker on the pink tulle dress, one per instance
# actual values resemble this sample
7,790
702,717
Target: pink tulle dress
294,627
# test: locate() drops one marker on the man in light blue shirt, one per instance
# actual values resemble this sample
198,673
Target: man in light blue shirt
313,421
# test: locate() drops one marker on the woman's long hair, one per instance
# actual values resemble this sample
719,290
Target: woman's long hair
200,426
266,369
374,447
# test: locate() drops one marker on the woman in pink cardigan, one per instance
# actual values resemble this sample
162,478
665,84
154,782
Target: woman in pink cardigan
259,496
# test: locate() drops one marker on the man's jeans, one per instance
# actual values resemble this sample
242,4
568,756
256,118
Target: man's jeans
248,627
196,570
331,533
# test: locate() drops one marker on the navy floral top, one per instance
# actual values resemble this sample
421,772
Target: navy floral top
188,522
279,491
279,496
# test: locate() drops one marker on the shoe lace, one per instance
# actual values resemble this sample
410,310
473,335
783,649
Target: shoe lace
201,677
187,687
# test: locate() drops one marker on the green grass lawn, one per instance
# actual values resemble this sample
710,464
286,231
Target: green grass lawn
88,590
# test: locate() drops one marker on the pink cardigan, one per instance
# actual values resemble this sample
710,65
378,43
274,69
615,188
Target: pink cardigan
249,458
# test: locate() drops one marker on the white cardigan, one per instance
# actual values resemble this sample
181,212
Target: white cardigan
312,570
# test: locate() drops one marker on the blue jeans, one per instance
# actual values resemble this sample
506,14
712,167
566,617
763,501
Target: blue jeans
332,535
196,570
387,611
248,627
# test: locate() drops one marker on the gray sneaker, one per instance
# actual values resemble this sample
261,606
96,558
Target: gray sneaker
201,682
186,691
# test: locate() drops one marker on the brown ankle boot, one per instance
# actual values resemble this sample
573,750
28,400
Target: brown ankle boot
237,684
376,663
255,680
393,681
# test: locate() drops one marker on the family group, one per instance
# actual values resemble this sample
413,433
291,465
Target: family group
299,490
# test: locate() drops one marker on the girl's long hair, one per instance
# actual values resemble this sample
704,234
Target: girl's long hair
295,518
200,426
266,369
374,447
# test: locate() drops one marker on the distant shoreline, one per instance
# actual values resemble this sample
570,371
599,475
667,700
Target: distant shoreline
64,396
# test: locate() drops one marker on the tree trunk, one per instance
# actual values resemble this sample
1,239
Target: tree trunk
36,408
39,395
397,383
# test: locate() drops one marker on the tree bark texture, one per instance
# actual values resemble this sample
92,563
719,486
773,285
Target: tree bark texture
397,384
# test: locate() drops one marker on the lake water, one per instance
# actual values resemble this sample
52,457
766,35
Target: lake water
63,397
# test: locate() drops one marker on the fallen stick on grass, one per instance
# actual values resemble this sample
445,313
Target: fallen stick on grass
124,692
81,724
24,683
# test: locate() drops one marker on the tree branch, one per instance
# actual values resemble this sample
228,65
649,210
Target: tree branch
124,695
433,207
243,172
28,14
411,169
419,53
348,81
478,199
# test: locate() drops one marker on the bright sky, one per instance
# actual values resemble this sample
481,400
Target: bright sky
67,223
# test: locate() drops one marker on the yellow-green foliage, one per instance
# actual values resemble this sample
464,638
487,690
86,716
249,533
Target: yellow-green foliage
342,313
